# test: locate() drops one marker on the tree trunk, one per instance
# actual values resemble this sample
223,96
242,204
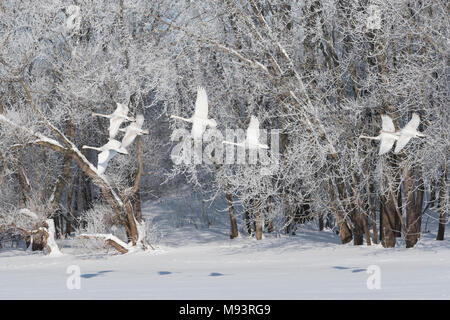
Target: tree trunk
270,225
133,220
248,224
42,236
373,213
387,222
344,231
258,225
58,224
39,241
320,217
412,216
433,187
137,205
358,228
74,222
64,178
69,181
419,201
233,223
366,229
443,199
374,227
397,222
360,219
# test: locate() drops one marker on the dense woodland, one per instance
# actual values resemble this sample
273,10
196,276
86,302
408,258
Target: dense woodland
322,72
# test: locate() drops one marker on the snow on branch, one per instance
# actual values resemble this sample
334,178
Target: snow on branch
75,153
110,239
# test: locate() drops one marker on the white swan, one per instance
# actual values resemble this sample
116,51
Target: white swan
134,129
408,132
115,119
107,152
200,118
252,138
387,135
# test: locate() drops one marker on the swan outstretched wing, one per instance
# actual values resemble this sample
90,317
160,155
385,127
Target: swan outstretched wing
121,110
387,124
111,144
387,141
114,125
128,138
407,132
413,124
103,159
253,131
132,131
402,142
201,105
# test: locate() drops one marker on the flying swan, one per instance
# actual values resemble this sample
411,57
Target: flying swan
387,135
107,152
115,119
200,118
252,139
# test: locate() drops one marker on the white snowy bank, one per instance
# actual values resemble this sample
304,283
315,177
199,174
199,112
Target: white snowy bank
203,263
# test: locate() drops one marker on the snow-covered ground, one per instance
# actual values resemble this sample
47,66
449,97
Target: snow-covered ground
196,262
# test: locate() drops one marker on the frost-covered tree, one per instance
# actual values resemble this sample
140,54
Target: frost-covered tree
60,62
323,72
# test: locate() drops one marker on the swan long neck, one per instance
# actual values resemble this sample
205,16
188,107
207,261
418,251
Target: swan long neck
233,143
367,137
93,148
421,135
181,118
100,115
